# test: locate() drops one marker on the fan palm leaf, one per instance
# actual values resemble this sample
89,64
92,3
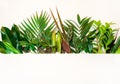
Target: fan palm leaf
37,30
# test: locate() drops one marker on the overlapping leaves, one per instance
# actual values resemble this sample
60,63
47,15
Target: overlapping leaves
36,34
80,34
10,40
37,30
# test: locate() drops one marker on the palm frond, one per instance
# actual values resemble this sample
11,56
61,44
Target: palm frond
37,29
34,27
80,34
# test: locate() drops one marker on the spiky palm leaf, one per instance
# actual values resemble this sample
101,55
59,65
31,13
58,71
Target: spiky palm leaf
37,29
79,33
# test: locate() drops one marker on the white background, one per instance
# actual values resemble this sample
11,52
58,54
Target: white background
59,69
14,11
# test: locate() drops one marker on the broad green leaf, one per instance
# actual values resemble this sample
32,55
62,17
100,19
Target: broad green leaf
2,47
116,46
117,51
10,48
6,35
15,36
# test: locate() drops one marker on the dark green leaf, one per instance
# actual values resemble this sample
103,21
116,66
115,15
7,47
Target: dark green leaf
78,19
117,44
6,35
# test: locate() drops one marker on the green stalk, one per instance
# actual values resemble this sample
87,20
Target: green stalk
54,41
58,42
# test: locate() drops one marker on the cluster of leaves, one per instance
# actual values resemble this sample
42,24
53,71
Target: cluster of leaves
10,40
92,36
40,34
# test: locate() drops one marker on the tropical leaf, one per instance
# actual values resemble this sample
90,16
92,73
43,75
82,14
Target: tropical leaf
116,46
16,37
104,37
41,35
117,51
61,30
34,27
86,29
81,35
10,48
2,48
37,29
78,18
6,48
12,36
68,30
6,34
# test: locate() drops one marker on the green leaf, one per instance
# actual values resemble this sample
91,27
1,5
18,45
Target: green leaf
15,32
32,47
2,47
15,36
85,21
118,51
116,46
6,35
78,19
10,48
23,43
38,28
86,29
90,48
